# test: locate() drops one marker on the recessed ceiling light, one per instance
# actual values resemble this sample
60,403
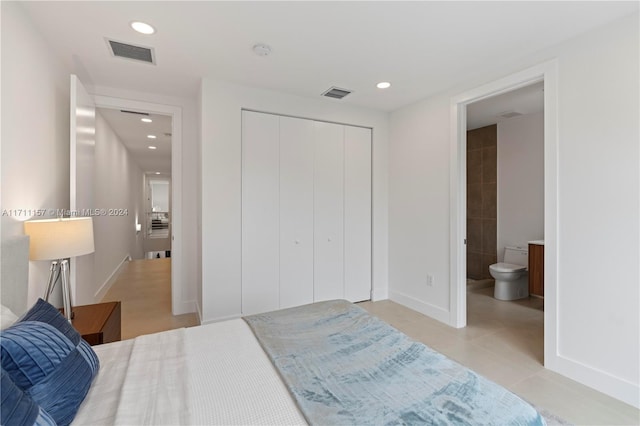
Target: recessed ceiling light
152,147
151,136
143,28
157,173
383,85
146,120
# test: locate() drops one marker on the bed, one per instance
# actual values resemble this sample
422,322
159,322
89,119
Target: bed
324,363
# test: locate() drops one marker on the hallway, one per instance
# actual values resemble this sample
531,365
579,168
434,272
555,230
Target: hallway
144,288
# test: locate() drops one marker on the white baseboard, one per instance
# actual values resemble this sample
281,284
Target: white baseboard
599,380
184,307
199,314
111,279
427,309
602,381
381,294
218,319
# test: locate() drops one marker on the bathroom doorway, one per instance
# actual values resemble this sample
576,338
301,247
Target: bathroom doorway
504,213
505,176
547,72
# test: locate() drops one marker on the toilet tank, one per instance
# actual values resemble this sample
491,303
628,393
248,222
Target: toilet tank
516,255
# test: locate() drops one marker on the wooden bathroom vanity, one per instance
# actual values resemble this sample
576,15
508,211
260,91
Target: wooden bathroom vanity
536,268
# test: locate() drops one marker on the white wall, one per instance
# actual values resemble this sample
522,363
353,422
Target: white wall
598,205
199,212
35,131
221,105
599,196
187,194
419,207
520,181
118,184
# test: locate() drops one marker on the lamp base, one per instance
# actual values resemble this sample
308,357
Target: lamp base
60,269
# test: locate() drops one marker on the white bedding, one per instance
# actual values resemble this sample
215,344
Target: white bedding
211,374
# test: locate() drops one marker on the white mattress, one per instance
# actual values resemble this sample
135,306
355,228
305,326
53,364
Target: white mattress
211,374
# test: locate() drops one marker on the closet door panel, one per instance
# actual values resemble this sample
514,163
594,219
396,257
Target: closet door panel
260,212
357,214
328,211
296,212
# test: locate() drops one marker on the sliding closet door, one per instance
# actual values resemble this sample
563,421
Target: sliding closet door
306,212
328,211
260,212
357,213
296,212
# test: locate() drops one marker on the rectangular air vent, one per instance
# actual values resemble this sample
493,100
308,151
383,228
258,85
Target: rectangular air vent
134,112
130,51
336,93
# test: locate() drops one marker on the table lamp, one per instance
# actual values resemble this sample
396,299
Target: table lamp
58,240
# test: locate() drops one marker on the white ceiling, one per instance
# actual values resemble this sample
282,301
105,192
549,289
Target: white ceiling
133,134
526,100
420,47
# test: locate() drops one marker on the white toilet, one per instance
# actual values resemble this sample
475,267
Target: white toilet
512,278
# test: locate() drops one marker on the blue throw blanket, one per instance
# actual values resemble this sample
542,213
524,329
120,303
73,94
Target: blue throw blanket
344,366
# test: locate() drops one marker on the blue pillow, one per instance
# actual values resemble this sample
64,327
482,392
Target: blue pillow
48,367
30,350
18,409
62,391
45,312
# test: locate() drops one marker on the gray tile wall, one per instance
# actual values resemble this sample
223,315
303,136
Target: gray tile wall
481,201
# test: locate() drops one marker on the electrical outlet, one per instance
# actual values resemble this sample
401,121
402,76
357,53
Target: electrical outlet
430,280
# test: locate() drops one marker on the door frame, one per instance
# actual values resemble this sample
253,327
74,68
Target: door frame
548,73
178,307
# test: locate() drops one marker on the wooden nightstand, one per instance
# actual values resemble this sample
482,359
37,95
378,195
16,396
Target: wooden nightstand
99,323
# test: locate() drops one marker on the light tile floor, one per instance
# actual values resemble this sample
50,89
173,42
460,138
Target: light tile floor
503,341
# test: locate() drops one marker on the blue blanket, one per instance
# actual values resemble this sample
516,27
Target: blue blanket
344,366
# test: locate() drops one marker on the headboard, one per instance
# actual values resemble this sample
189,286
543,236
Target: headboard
14,273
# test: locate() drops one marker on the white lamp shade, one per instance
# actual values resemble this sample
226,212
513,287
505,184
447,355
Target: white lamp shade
53,239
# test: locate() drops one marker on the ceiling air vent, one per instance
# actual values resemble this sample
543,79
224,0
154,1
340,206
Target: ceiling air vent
336,93
130,51
510,114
